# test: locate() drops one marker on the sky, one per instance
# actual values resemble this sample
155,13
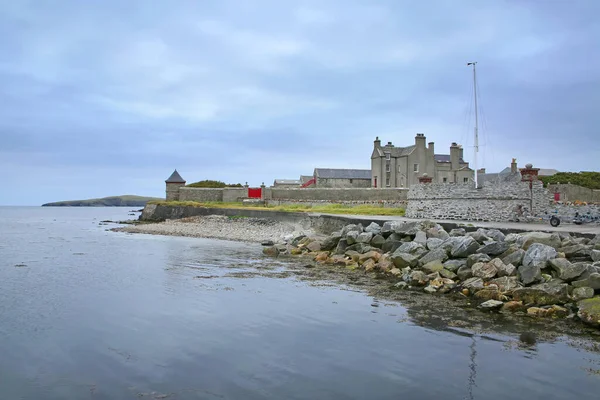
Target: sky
101,98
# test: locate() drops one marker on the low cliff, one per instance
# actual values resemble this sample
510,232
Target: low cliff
112,201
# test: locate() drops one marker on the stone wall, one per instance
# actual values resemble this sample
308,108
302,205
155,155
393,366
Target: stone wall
494,202
343,183
378,203
570,193
337,194
200,194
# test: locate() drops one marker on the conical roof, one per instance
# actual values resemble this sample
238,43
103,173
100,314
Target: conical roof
175,178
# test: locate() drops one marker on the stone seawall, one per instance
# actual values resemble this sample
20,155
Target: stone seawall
338,194
464,202
383,203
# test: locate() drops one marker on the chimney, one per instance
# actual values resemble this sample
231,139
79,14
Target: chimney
513,166
431,147
454,156
461,155
420,140
377,142
389,144
481,171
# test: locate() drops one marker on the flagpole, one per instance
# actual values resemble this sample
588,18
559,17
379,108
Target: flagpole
476,150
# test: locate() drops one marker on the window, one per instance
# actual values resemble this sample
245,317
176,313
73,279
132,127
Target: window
387,180
351,180
445,180
466,180
388,156
388,168
416,168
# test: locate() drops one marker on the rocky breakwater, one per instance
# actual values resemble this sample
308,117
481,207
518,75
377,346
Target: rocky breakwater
535,274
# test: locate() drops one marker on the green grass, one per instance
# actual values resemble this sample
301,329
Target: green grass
325,209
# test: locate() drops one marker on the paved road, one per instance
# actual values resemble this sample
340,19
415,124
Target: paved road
520,226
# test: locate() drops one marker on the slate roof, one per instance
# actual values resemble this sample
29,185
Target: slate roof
287,182
446,158
547,172
175,178
331,173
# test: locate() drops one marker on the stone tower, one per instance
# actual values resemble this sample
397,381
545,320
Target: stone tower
174,182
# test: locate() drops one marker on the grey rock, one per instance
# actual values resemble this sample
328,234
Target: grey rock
378,241
360,247
477,258
473,283
458,232
454,265
548,239
448,274
479,235
495,234
538,255
589,311
391,246
561,291
595,254
314,246
595,240
584,292
394,237
389,227
592,281
512,238
437,254
434,243
407,228
351,237
484,271
330,242
464,273
515,258
433,266
589,269
464,247
576,250
430,289
341,247
364,237
418,278
421,238
491,305
373,228
351,228
506,270
437,232
401,285
494,248
529,274
402,260
565,270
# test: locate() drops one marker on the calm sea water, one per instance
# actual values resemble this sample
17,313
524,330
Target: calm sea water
90,314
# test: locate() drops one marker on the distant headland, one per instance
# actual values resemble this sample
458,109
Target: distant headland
112,201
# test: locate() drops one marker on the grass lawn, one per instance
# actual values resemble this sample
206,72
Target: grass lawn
326,208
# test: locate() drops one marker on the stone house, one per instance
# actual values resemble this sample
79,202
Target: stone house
342,178
402,167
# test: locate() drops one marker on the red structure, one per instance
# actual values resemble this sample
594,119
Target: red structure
254,193
425,179
529,174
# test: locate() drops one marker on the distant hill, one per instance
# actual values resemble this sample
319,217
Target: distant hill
112,201
590,180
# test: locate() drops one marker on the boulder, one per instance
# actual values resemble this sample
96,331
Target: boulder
434,243
351,237
271,251
488,294
430,289
408,228
515,257
437,232
592,281
352,254
560,290
589,311
576,250
418,278
512,238
479,235
341,247
369,265
433,266
495,235
548,239
484,271
360,247
464,247
351,228
385,265
389,227
477,258
448,274
506,283
391,246
364,237
402,260
538,255
421,238
548,312
503,269
581,293
595,254
464,273
411,248
331,242
491,305
494,248
454,265
373,228
434,255
566,271
534,296
473,284
513,306
378,241
314,246
457,232
529,274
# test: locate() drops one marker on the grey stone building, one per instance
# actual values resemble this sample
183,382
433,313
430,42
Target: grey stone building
283,183
342,178
393,166
173,183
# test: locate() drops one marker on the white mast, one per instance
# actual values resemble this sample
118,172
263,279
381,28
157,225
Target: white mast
476,121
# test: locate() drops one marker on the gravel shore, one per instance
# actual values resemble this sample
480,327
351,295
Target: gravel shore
221,227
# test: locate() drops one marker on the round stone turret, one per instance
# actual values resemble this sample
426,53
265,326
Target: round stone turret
173,183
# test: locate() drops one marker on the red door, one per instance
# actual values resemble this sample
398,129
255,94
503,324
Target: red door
375,183
556,196
255,193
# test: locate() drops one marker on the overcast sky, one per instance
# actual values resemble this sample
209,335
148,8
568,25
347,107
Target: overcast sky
102,98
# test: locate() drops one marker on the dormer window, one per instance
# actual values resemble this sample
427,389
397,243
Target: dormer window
388,156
